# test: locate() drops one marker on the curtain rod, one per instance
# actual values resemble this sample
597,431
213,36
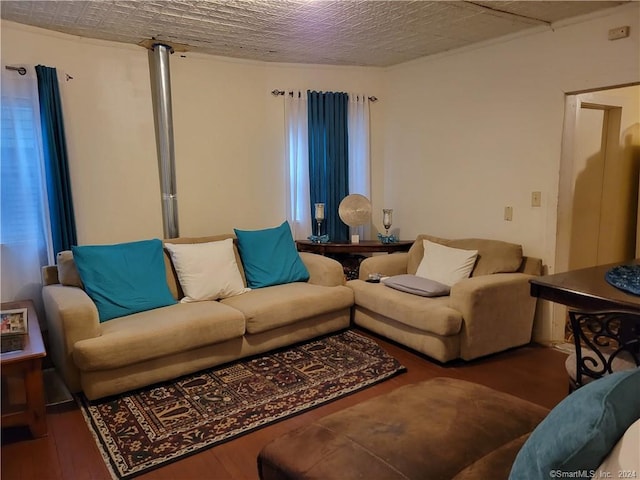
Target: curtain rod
277,93
23,71
20,70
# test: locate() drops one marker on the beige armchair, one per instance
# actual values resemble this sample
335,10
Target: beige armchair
486,313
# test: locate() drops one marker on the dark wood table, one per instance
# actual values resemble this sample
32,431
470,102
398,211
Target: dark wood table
365,246
585,289
26,363
350,254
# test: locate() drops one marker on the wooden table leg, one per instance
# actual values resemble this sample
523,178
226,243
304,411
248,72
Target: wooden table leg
36,409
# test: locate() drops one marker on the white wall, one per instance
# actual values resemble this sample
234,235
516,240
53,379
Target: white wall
472,131
229,134
228,130
109,129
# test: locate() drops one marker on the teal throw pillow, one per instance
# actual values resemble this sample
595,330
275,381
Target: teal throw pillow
581,430
124,278
270,257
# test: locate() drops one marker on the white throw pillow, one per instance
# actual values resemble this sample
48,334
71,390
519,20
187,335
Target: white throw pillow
206,271
445,264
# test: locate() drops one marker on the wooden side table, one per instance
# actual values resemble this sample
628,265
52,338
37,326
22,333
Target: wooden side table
347,253
28,364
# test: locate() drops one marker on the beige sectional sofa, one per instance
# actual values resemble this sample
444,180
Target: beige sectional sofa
488,312
143,348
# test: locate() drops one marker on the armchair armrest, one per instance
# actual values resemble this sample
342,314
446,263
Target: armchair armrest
389,265
531,266
323,270
71,316
497,312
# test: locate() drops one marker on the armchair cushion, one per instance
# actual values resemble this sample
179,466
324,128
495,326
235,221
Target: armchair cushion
446,264
494,256
429,315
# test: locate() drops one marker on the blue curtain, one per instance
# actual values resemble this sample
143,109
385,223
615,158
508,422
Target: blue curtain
329,158
63,227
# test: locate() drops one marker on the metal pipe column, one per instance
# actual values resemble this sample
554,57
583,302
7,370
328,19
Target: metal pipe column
161,82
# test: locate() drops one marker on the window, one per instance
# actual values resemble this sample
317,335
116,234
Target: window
24,225
297,152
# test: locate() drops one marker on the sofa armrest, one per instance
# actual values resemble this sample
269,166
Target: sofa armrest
71,316
388,265
323,270
497,312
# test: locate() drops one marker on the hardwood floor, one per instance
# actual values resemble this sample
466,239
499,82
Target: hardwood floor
69,451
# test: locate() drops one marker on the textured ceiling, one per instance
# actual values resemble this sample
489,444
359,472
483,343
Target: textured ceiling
343,32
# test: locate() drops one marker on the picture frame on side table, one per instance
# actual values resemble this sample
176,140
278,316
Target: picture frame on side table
13,328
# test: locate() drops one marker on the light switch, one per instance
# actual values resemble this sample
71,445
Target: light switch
508,213
536,199
619,32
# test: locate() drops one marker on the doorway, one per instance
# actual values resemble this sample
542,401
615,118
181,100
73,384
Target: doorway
598,188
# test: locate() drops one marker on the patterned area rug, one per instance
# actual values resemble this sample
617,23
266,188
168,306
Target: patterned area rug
145,429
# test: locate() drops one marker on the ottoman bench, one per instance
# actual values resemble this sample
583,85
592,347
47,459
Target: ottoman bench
437,429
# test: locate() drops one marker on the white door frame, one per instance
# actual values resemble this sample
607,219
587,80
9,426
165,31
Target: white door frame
573,103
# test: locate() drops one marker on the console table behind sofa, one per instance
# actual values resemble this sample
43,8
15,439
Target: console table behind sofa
350,254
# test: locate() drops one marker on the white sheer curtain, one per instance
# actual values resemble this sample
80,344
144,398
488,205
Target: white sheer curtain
297,154
25,232
359,163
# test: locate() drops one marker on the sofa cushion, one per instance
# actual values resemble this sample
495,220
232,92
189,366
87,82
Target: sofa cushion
444,264
272,307
172,276
582,429
270,257
67,271
124,278
494,256
157,333
207,271
431,315
417,285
